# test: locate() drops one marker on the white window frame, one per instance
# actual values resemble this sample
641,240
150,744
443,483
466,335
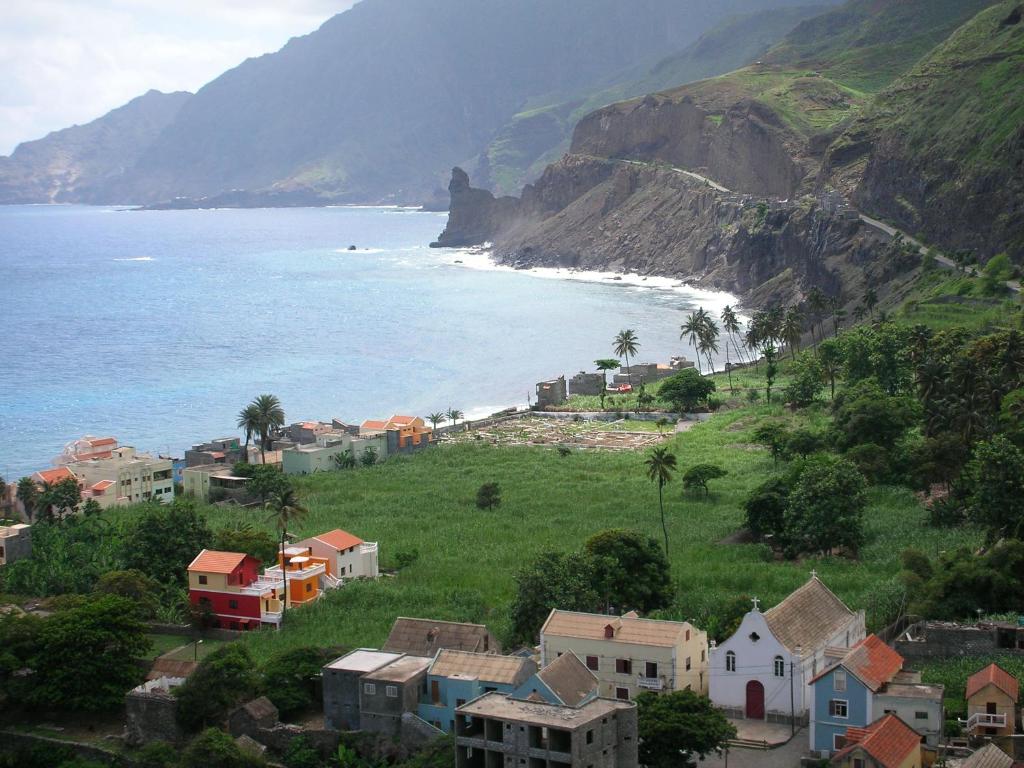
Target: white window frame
370,689
779,666
730,661
846,706
835,741
391,691
839,680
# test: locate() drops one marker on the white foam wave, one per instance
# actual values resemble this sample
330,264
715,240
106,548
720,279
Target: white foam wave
138,258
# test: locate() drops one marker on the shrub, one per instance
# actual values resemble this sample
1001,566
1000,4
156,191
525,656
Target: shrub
300,754
406,557
488,496
215,749
873,461
222,680
156,754
288,679
686,390
368,457
700,475
766,508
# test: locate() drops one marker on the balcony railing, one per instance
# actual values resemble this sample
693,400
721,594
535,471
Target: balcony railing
650,683
274,572
368,548
984,720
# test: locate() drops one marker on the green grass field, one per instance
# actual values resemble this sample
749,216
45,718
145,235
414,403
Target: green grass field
953,674
467,558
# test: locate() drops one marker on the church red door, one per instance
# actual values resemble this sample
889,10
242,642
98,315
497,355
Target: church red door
755,700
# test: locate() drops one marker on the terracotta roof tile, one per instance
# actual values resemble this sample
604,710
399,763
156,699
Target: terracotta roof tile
212,561
373,424
808,617
995,675
873,662
888,740
486,667
339,539
98,441
592,626
55,475
402,420
569,679
102,485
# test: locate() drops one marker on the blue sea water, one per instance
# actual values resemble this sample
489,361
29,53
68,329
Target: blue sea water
158,327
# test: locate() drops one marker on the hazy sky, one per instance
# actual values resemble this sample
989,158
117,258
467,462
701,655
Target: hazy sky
69,61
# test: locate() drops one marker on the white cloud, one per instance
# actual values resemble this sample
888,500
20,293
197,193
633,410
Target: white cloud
69,61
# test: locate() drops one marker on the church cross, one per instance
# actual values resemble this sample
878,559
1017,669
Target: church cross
814,574
755,601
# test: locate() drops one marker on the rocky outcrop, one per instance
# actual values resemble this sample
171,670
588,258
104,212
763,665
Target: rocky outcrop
475,215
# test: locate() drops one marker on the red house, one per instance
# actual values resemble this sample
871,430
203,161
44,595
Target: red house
230,585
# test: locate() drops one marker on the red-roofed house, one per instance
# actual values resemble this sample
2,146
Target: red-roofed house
54,476
347,555
404,433
867,682
992,695
228,584
886,743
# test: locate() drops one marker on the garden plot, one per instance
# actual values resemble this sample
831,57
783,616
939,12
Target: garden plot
623,435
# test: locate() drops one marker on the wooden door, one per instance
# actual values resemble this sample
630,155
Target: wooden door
755,700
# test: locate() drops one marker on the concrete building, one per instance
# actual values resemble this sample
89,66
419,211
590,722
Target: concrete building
425,637
305,432
347,556
229,587
496,731
867,683
644,373
125,477
992,694
86,448
200,482
584,383
886,743
628,654
762,672
342,683
15,543
320,455
403,434
455,677
551,393
151,713
223,450
389,692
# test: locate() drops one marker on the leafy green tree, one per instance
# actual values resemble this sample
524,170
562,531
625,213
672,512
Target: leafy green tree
285,509
660,465
265,480
964,582
679,728
347,460
1011,416
28,495
91,507
995,273
244,537
552,580
156,754
632,569
766,508
215,749
996,481
826,505
864,413
699,475
488,496
59,500
134,586
604,365
805,382
626,345
686,390
88,655
301,754
162,539
803,442
775,437
222,680
289,678
830,359
771,370
369,455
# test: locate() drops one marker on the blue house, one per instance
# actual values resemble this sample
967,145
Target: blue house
865,685
457,677
566,681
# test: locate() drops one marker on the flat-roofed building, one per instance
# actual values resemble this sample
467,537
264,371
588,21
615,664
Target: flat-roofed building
389,692
15,542
341,685
125,477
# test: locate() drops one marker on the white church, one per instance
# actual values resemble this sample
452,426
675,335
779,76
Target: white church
762,672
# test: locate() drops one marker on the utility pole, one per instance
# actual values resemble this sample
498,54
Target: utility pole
792,693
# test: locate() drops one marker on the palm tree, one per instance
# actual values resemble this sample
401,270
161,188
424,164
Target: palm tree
817,302
435,418
270,416
28,495
285,510
661,424
626,344
454,414
249,420
604,365
660,466
871,301
752,340
792,329
691,331
708,343
731,325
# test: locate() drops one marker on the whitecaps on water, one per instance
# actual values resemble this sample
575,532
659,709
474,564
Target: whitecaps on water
137,258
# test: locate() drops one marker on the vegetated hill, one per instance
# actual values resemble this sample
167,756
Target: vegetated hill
941,152
384,98
630,193
538,136
76,164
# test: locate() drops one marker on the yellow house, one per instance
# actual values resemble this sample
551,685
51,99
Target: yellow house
992,702
886,743
628,654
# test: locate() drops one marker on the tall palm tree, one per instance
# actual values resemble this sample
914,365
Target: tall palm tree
708,338
691,331
752,340
270,416
731,325
626,344
285,510
454,414
436,418
28,495
818,303
792,329
604,365
660,466
249,420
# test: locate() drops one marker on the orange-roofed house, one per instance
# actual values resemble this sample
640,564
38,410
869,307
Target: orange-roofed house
306,573
228,585
887,743
54,476
347,556
628,654
867,682
405,434
992,695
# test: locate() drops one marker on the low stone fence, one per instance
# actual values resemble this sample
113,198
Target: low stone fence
15,743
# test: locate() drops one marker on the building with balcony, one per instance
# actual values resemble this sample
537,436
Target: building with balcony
886,743
865,684
425,637
628,654
496,730
762,672
346,555
223,450
305,574
125,477
15,543
455,677
992,695
229,587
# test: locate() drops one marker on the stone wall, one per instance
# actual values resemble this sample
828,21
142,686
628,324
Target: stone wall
935,640
57,749
151,713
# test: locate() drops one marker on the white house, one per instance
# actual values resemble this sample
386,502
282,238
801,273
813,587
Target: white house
348,556
762,672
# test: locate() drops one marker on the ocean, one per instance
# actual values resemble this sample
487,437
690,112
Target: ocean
159,327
